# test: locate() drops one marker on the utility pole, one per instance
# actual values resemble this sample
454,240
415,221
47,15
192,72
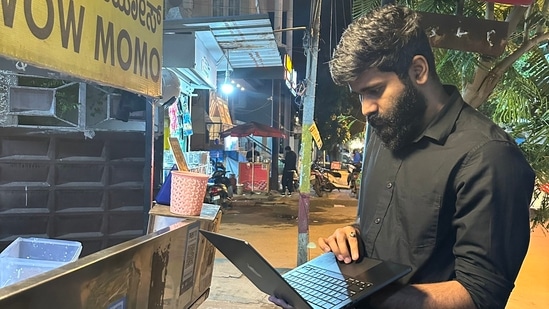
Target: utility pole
311,47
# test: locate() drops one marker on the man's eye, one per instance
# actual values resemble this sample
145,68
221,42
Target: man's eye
371,93
374,92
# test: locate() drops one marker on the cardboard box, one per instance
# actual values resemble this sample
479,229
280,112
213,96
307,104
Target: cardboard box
200,253
142,273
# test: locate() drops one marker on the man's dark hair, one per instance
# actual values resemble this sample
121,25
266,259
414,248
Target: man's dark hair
287,148
386,38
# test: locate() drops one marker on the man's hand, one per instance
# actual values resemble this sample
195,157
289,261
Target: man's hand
280,302
344,243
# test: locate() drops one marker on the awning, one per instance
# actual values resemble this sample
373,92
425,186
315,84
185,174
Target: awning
247,41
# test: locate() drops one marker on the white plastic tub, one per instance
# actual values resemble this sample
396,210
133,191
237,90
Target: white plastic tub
27,257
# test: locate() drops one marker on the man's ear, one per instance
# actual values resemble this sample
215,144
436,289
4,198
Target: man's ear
419,70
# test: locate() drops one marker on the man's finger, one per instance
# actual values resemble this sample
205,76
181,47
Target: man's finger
322,244
345,247
279,302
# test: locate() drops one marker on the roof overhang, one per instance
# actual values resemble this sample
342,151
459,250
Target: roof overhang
234,42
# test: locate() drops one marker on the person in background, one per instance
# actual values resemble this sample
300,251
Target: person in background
355,169
447,191
290,162
252,155
357,157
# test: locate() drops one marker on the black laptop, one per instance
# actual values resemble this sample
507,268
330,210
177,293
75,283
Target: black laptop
322,282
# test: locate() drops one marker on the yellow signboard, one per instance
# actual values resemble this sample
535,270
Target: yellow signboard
112,42
316,135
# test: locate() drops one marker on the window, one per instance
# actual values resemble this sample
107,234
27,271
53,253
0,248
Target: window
225,7
234,7
217,7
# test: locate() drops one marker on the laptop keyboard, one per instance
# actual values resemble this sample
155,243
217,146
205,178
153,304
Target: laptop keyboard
322,288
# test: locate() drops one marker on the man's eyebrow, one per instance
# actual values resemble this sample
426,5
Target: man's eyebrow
372,85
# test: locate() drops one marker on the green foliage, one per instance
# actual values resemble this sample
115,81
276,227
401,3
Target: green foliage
455,67
536,149
534,65
512,98
337,115
536,146
361,7
67,99
540,215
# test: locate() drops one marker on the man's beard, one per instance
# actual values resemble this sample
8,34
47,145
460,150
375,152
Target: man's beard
403,122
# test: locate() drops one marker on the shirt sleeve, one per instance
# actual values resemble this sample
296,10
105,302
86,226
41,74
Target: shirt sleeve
494,188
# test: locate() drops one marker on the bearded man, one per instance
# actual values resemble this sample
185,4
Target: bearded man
444,189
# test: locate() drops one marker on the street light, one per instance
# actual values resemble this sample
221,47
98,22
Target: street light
227,87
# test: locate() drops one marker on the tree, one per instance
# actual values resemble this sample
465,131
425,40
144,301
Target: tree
512,89
338,113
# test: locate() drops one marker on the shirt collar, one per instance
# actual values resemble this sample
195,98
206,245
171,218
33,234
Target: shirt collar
441,126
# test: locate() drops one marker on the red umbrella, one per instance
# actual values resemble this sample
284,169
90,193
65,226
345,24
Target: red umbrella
252,128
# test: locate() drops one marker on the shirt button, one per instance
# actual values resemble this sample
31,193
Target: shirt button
377,220
389,185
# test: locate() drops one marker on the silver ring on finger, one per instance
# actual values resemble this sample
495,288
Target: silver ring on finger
352,234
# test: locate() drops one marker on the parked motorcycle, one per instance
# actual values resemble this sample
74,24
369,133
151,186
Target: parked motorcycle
220,190
320,180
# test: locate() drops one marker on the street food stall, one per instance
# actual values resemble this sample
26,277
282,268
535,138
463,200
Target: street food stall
253,176
171,266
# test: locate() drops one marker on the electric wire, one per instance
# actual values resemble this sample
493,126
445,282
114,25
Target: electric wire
332,17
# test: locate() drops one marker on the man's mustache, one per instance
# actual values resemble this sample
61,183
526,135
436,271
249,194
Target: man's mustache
375,120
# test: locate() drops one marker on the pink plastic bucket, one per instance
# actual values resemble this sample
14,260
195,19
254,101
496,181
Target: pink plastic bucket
187,193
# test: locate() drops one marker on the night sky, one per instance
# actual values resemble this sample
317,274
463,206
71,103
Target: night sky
335,16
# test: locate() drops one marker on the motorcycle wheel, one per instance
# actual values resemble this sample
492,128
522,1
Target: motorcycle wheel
316,187
329,187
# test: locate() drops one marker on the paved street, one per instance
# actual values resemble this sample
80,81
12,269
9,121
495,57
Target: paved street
270,225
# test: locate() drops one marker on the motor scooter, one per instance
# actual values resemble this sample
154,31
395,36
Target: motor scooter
321,180
220,190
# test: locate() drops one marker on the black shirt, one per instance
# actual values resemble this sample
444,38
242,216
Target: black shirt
252,153
454,204
290,161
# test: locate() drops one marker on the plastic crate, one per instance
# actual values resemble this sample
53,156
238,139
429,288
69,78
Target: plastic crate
27,257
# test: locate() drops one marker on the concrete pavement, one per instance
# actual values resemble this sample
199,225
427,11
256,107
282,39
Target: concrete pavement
231,289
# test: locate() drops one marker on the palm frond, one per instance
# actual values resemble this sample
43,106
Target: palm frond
536,144
512,105
535,18
536,67
455,67
363,6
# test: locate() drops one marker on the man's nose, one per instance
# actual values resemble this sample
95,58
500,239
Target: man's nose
368,107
